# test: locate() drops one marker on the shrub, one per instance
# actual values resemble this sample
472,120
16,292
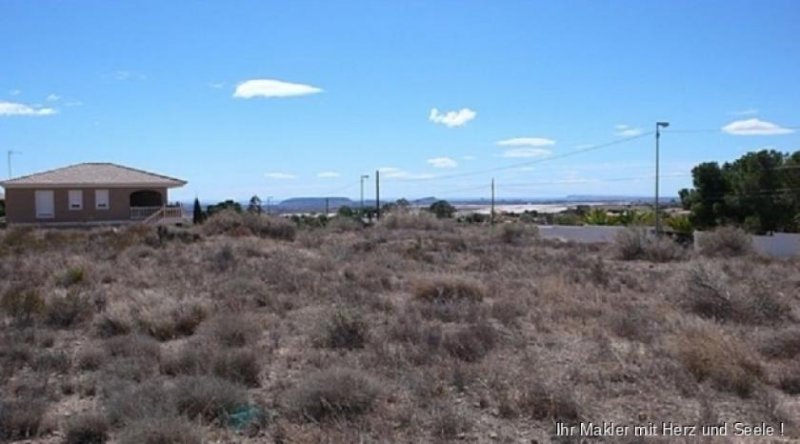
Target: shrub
540,402
240,366
136,357
22,304
411,221
163,430
346,330
232,330
724,242
73,276
710,354
20,418
517,233
126,403
91,359
784,345
332,394
68,311
87,428
472,343
209,397
630,243
235,223
449,288
52,361
635,243
442,209
448,424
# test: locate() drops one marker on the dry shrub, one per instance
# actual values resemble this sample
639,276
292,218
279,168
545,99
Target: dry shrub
448,424
507,311
57,362
422,220
126,403
340,224
238,365
471,343
633,323
636,243
540,402
334,394
242,366
90,359
160,430
448,288
21,418
87,428
232,330
68,311
724,242
181,320
135,357
209,397
346,329
230,222
22,304
72,276
783,345
710,354
518,233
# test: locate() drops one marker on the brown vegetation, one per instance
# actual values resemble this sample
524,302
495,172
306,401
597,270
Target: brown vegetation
248,329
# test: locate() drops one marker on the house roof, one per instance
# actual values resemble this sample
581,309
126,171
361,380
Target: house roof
94,174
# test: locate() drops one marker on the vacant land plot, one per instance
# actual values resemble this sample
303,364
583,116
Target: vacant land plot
410,331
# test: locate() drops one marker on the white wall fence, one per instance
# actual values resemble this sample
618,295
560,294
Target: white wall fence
775,245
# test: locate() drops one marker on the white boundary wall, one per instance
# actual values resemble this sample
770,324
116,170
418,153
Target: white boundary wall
775,245
584,233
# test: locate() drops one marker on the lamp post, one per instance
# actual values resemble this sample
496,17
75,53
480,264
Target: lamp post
659,125
363,177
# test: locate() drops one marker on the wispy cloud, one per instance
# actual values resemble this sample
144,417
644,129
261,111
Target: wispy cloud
21,109
442,162
527,152
755,127
745,112
128,75
53,98
527,142
74,103
15,92
328,175
623,130
397,173
280,176
452,119
468,157
272,88
216,85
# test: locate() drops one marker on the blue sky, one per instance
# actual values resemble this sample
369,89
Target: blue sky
300,98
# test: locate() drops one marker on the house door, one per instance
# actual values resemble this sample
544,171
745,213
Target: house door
45,208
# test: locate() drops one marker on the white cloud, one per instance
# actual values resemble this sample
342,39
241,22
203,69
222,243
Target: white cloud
527,141
21,109
128,75
754,127
397,173
216,85
442,162
527,152
452,119
328,174
627,130
745,112
279,176
53,98
272,88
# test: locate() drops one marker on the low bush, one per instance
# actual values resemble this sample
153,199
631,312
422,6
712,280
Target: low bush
231,330
72,276
471,343
22,304
242,366
784,345
346,329
710,354
233,223
724,242
411,221
517,233
68,311
20,418
57,362
540,402
209,397
90,359
448,288
87,428
334,394
126,403
636,243
160,430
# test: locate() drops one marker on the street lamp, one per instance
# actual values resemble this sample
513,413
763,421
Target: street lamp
659,125
363,176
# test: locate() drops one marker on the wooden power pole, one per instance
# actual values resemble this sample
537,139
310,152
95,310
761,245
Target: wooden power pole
377,194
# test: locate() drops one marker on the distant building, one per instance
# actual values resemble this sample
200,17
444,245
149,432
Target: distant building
90,193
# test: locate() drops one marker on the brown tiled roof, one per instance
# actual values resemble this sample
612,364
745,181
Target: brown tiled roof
91,174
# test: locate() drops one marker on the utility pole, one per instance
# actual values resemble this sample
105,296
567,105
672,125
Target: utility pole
8,154
269,204
659,125
492,213
327,206
377,195
363,176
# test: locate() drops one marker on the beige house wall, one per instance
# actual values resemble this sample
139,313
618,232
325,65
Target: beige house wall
21,205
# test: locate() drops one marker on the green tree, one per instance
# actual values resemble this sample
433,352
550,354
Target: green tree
255,205
228,204
198,215
442,209
345,211
706,200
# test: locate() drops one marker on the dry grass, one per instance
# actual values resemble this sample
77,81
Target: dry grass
414,330
725,242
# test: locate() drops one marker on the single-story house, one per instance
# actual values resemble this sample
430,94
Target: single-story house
90,193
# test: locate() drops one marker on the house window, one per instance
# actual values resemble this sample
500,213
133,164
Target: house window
101,199
75,199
